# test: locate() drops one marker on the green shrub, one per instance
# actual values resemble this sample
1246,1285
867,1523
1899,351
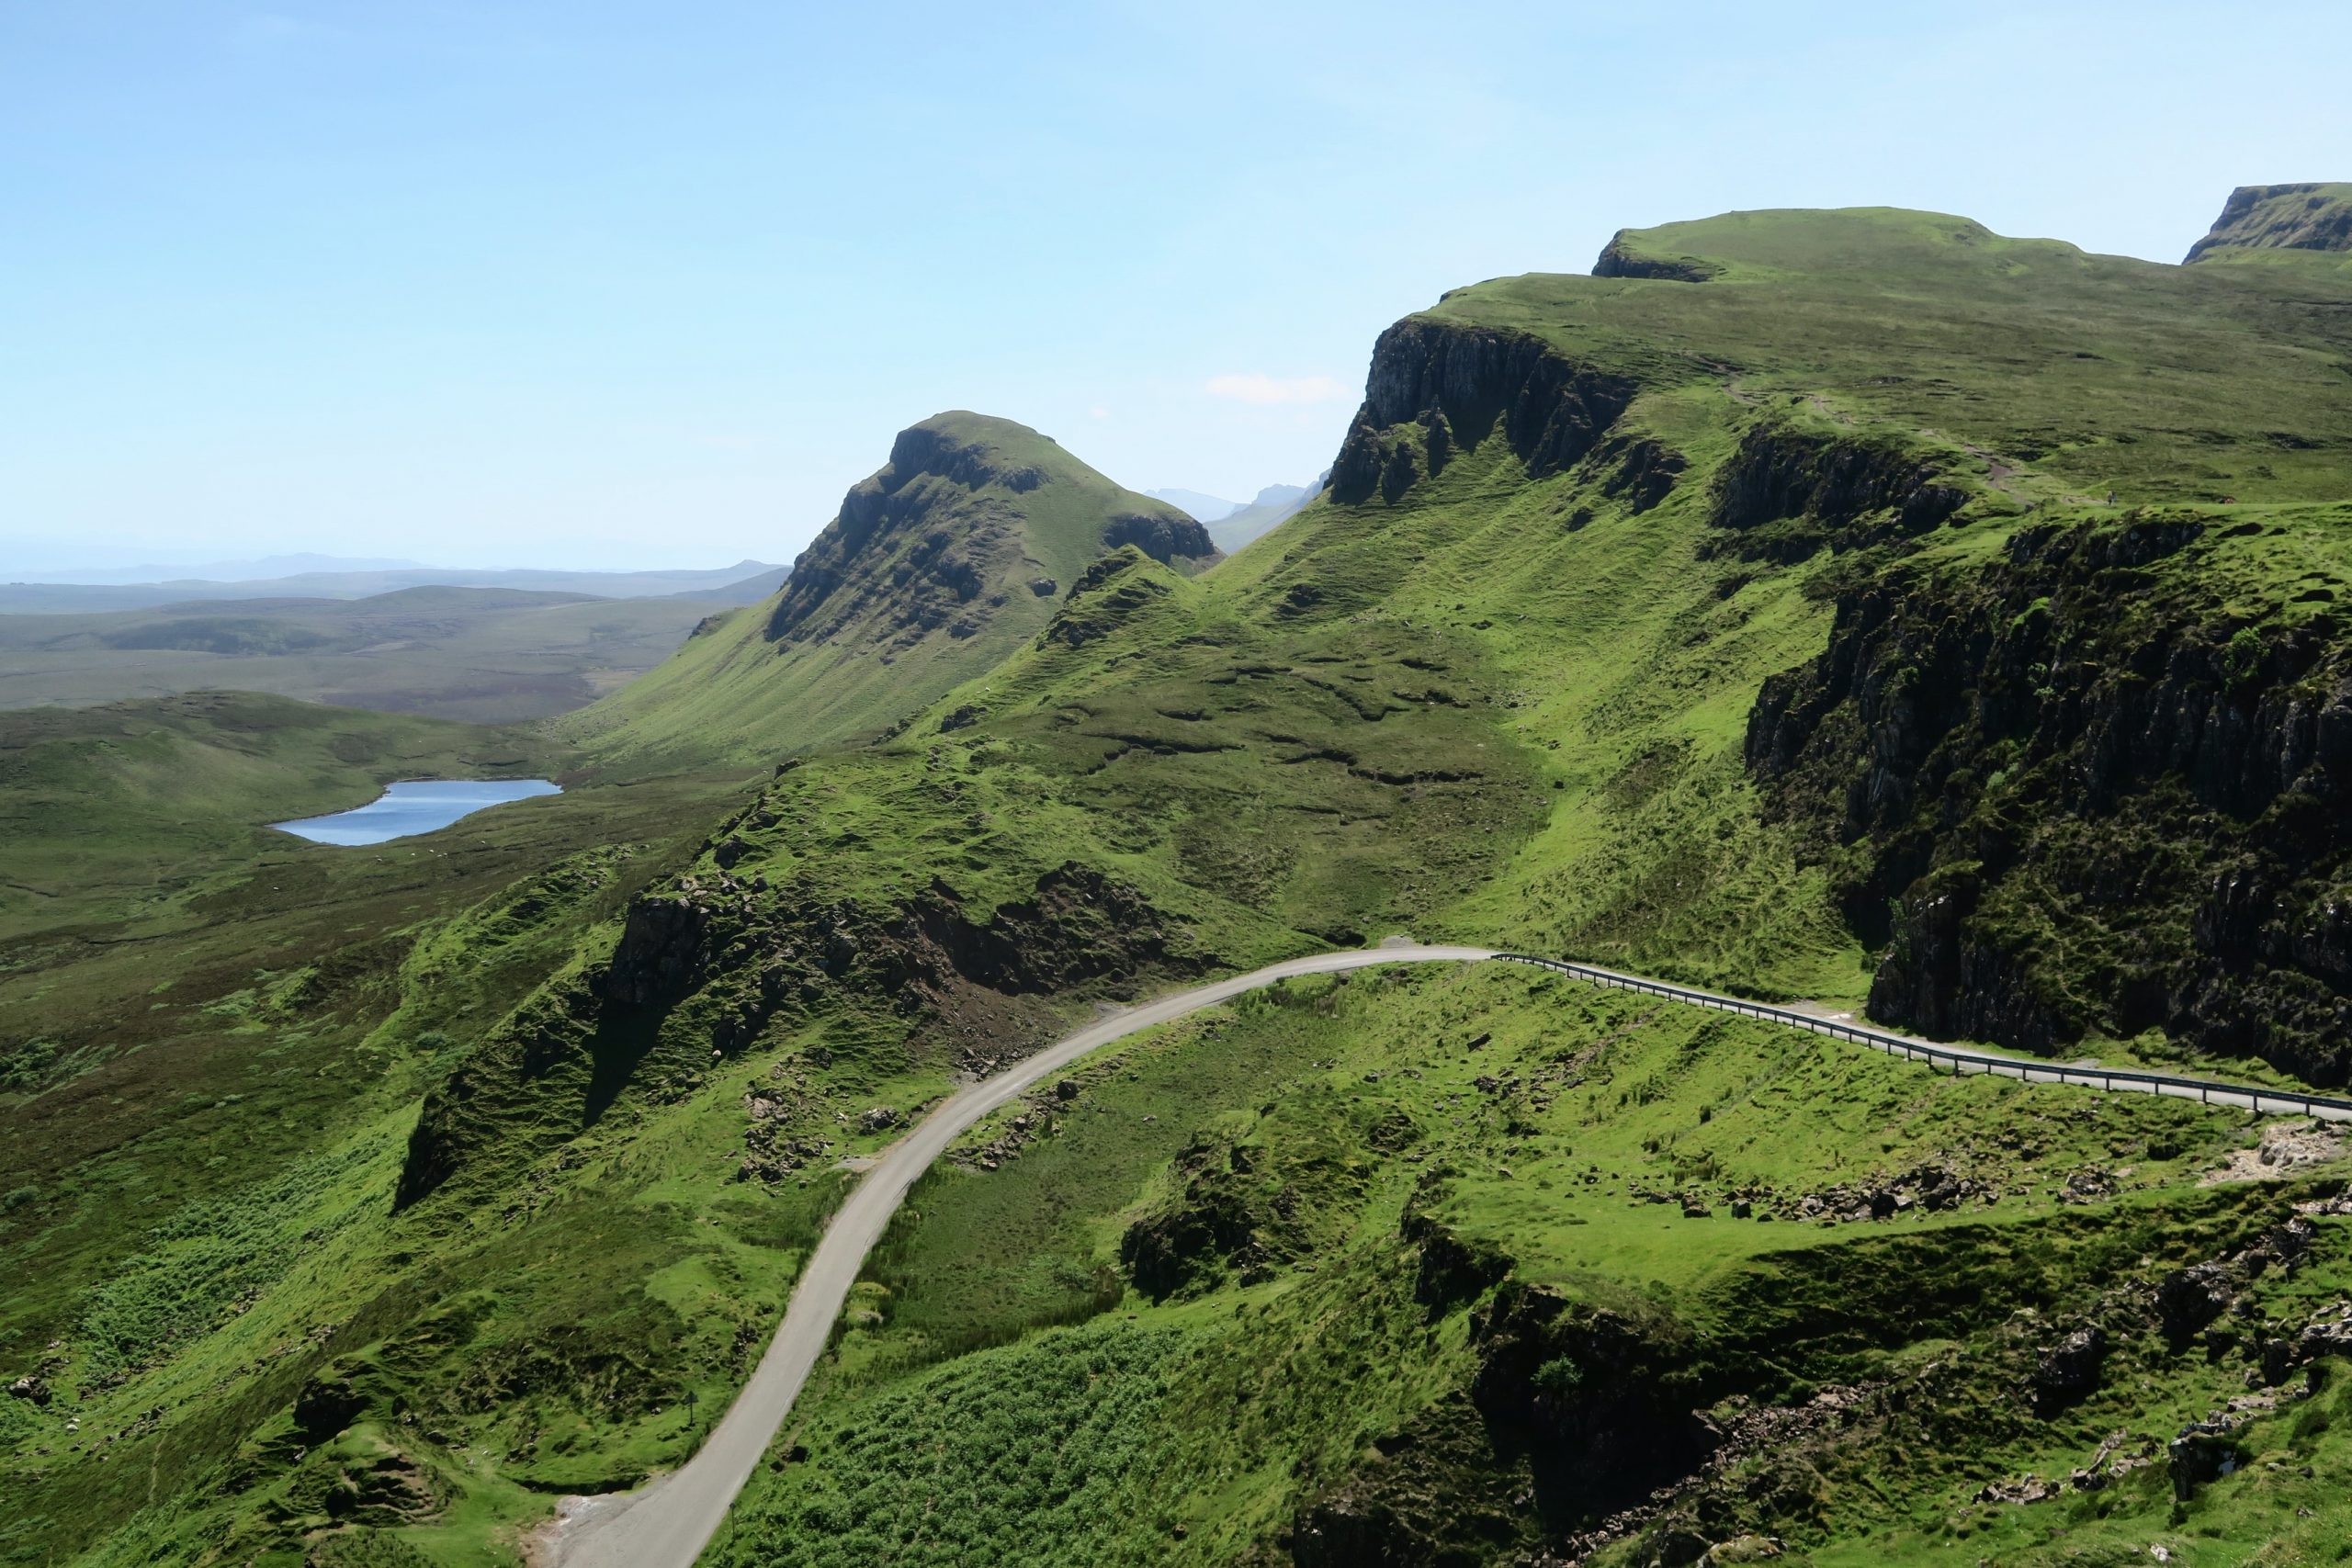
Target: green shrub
1559,1378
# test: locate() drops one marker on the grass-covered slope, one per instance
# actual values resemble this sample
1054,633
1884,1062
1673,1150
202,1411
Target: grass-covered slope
2092,781
1590,538
1475,1267
212,1039
936,566
1628,503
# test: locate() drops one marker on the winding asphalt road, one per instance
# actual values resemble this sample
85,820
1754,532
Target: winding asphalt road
668,1523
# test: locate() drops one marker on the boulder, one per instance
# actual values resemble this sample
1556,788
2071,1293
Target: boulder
2189,1299
2067,1372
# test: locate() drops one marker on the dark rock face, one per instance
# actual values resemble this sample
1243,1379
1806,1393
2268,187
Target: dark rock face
1451,1271
328,1403
2189,1299
2066,791
1226,1218
1433,1496
1165,538
2199,1455
886,551
2067,1373
1354,1532
2309,217
1641,473
1604,1405
1437,389
1209,1230
1078,925
1788,494
661,949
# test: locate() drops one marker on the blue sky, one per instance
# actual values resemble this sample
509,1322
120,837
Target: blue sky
637,284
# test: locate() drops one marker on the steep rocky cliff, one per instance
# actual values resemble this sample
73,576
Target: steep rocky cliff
2101,784
1436,389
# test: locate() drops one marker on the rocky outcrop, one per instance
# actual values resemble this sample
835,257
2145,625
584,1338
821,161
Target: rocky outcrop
1623,257
945,536
1453,1271
1606,1406
1787,493
1106,596
1211,1227
2068,792
704,965
878,540
1437,389
2308,217
1640,471
2067,1372
1168,537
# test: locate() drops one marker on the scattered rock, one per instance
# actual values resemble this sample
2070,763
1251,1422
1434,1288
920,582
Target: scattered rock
2087,1186
2020,1489
2284,1146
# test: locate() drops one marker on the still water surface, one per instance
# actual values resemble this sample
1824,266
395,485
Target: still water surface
419,806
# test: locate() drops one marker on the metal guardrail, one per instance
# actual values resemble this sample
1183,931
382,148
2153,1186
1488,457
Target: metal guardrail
2262,1101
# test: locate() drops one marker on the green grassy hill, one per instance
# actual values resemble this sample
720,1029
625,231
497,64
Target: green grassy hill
1753,612
938,567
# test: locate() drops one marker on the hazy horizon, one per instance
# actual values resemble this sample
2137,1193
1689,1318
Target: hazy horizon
526,285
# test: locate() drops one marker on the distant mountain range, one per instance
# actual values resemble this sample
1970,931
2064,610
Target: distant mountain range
260,569
1233,524
1202,507
745,582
